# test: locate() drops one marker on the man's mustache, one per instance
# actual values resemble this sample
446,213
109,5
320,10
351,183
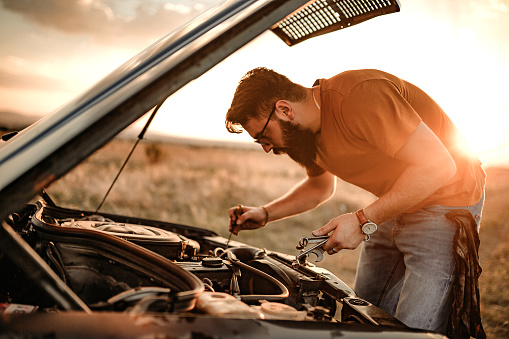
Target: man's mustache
280,150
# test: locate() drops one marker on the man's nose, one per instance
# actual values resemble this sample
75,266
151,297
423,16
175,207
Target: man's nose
267,148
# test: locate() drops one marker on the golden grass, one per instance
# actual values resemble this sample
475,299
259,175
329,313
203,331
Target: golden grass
196,186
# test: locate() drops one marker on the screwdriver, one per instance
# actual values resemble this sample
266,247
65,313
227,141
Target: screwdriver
236,213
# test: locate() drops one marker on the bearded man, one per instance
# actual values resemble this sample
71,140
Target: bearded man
387,136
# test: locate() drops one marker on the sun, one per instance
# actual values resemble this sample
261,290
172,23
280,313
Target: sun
484,132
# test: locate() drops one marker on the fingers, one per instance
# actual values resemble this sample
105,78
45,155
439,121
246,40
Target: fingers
235,229
332,246
346,233
245,218
325,229
239,223
235,213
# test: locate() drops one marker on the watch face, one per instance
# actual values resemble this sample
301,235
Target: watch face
369,228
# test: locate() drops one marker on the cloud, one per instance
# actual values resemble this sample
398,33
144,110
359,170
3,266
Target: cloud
58,48
123,22
68,16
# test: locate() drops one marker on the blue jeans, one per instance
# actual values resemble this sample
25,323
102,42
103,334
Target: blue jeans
407,267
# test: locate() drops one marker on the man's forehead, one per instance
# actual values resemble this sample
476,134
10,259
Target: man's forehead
253,127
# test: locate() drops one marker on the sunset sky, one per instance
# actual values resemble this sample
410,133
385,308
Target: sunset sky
455,50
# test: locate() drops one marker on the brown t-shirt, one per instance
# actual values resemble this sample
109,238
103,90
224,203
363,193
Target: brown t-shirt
367,116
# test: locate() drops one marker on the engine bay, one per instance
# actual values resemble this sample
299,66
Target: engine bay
124,264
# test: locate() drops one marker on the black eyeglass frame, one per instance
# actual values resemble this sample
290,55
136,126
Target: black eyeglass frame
260,135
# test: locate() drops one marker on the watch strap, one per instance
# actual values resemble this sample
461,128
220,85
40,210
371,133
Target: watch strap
361,217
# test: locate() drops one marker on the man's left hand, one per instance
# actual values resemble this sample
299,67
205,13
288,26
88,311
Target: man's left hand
346,233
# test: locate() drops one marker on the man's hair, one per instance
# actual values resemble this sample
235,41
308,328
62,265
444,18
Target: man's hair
257,93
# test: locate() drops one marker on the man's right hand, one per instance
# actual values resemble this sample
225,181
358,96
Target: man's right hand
251,218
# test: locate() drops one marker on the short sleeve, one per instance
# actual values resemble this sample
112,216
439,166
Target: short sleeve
376,111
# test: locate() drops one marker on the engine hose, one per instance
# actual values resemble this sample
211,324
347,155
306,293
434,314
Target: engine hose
208,284
256,297
55,258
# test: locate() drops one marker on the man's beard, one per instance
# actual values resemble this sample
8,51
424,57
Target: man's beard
300,143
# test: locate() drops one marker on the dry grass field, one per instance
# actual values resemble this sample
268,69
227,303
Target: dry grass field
196,186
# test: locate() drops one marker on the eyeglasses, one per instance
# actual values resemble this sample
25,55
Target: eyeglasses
260,135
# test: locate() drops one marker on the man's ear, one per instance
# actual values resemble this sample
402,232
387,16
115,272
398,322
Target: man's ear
284,110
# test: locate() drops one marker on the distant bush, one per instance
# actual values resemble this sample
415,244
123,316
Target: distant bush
154,153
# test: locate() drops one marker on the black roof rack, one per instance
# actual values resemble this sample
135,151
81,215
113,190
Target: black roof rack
324,16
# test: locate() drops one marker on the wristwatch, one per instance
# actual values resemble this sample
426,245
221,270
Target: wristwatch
367,226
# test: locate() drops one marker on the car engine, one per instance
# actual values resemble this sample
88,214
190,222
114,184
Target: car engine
124,264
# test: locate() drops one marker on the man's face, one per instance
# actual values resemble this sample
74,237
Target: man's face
299,143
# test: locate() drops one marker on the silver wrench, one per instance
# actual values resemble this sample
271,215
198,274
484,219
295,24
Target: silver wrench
316,249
